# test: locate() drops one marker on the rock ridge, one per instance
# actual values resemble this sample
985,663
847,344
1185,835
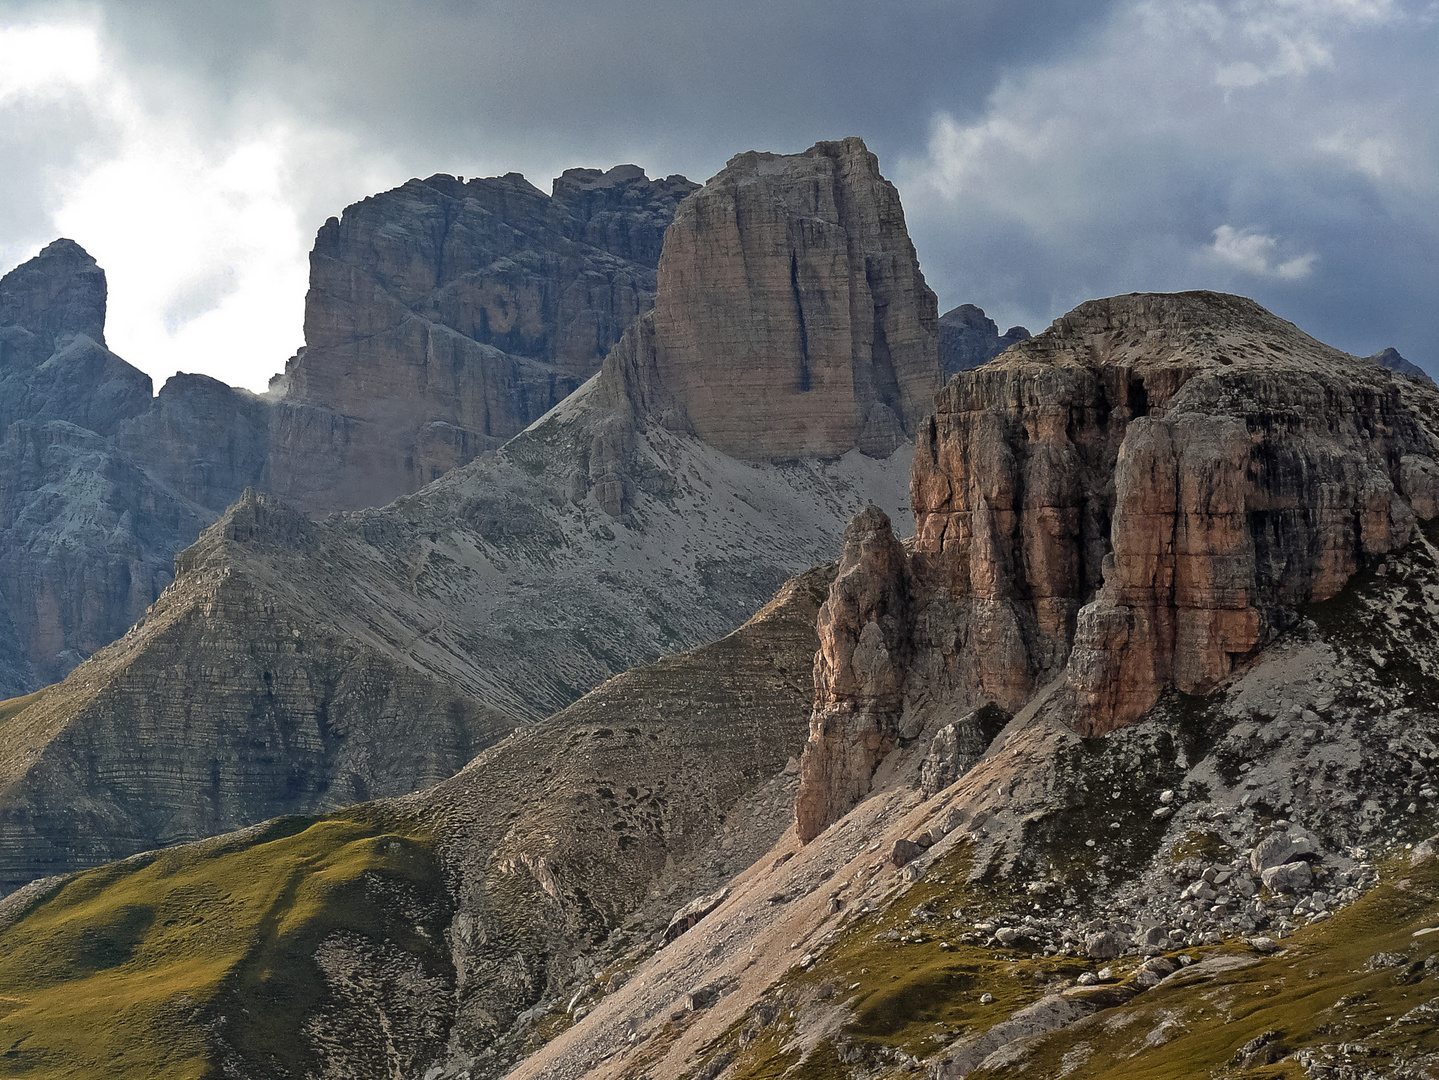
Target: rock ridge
1137,500
791,317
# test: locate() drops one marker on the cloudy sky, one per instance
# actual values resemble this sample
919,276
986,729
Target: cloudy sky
1047,151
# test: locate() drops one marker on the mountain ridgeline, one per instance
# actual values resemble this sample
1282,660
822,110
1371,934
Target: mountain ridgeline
272,676
775,707
443,317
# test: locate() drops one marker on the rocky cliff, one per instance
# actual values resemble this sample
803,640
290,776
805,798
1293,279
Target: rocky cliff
442,318
968,337
445,316
1138,499
86,536
605,534
792,319
447,928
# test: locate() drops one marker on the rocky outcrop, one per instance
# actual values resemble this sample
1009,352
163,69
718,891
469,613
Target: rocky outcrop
200,438
1138,499
1390,358
86,536
859,673
1268,470
1207,464
968,338
604,535
218,709
792,319
450,927
445,316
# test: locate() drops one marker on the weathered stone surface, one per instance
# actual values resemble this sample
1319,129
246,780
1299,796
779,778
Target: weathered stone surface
957,746
968,338
204,439
220,709
1212,466
859,673
444,317
792,319
598,538
86,537
1265,473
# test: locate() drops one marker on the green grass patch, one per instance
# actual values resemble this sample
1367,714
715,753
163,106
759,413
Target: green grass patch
127,968
12,707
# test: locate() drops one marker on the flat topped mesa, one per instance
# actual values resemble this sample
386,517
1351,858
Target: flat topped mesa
1140,498
791,318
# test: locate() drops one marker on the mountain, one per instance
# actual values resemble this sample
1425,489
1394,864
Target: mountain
442,318
608,533
86,536
445,316
1151,689
1002,874
1390,358
968,338
445,916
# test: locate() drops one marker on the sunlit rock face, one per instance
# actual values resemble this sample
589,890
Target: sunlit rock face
792,319
1144,494
1140,498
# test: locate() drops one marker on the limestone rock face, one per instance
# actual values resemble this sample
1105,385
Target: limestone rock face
49,299
443,317
86,537
204,439
1186,469
968,338
604,535
859,673
791,318
264,711
1140,498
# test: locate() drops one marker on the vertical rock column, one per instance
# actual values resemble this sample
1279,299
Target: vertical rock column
859,673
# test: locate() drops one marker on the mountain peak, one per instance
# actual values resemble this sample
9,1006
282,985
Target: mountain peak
56,295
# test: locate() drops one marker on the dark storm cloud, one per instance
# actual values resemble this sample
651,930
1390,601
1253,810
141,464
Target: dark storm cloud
1047,152
685,84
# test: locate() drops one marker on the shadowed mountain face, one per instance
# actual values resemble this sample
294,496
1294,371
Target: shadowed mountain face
968,338
86,536
604,535
443,317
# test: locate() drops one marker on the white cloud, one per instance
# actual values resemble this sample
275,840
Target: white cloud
46,61
200,232
1192,144
1253,252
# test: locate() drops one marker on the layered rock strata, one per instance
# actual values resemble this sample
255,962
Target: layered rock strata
792,319
604,535
86,535
968,337
865,631
561,852
1139,499
445,316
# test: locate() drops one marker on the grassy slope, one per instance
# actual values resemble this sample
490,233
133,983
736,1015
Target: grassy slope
914,996
117,974
1321,991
